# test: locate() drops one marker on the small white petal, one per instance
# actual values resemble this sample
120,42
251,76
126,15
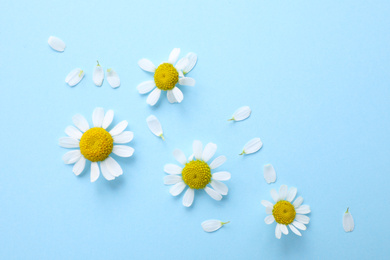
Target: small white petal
188,197
209,151
266,203
302,218
95,172
182,63
98,75
74,77
154,97
146,87
252,146
291,194
69,142
172,169
123,150
73,132
174,55
299,225
213,194
113,166
105,171
187,81
219,187
97,117
278,231
171,97
71,157
284,229
269,219
268,210
283,192
79,166
80,122
348,223
113,78
177,188
241,113
221,176
124,137
109,116
298,202
218,162
192,58
154,126
177,94
274,195
269,173
304,209
147,65
293,229
172,179
56,43
118,129
197,149
212,225
180,156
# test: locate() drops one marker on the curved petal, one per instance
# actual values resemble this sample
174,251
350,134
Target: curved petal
105,171
182,63
269,219
177,188
174,55
298,202
192,59
80,122
269,173
114,167
124,137
197,149
348,222
107,120
252,146
221,176
146,86
69,142
146,65
211,225
172,169
172,179
299,225
278,231
123,150
209,151
241,113
213,194
113,78
171,97
284,229
266,203
177,94
74,77
56,44
95,172
98,75
219,187
302,218
218,162
71,157
188,197
73,132
154,125
119,128
304,209
187,81
154,97
274,195
98,117
180,156
283,192
79,166
296,231
291,194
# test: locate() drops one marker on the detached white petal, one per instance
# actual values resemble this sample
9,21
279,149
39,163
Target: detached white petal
98,75
252,146
212,225
269,173
187,81
147,65
155,126
241,114
74,77
113,78
192,59
174,55
56,43
348,223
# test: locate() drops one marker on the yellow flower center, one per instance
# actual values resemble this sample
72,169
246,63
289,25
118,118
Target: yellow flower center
96,144
284,212
196,174
166,76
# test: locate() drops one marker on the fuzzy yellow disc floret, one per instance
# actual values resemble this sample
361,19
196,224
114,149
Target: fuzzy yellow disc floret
196,174
96,144
166,76
284,212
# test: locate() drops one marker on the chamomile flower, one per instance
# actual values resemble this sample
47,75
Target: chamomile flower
96,144
166,77
285,212
196,173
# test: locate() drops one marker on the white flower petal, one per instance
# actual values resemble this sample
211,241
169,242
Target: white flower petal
182,63
302,218
278,231
298,202
154,97
177,188
268,210
221,176
213,194
105,171
172,169
171,97
80,122
284,229
212,225
218,162
174,55
348,222
187,81
97,117
188,197
177,94
69,142
296,231
181,74
219,187
95,172
114,167
299,225
74,77
274,195
123,150
113,78
56,43
252,146
180,156
291,194
304,209
191,157
79,166
269,173
154,126
283,192
118,129
197,149
241,114
71,157
108,119
266,203
124,137
192,58
73,132
147,65
209,151
172,179
98,75
269,219
146,86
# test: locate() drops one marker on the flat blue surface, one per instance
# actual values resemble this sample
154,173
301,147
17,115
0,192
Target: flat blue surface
316,76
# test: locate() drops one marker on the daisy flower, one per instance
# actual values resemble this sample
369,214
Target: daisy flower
166,76
286,213
196,173
96,144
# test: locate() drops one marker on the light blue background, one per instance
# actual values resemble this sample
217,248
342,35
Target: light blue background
316,76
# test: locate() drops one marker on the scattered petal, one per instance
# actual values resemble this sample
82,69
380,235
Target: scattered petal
252,146
56,44
113,78
155,126
98,75
74,77
269,173
212,225
348,223
147,65
221,176
241,114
